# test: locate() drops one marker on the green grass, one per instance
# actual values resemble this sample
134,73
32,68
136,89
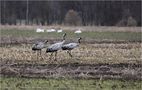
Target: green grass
10,83
127,36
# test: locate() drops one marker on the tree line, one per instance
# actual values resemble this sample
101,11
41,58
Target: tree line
99,13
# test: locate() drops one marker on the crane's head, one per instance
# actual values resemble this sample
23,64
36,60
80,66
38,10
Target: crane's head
64,36
45,41
79,39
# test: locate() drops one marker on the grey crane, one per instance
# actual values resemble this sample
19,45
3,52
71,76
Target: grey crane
38,46
55,47
71,46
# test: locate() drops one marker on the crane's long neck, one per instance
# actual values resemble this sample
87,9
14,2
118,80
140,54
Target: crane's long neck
64,36
79,40
45,41
63,42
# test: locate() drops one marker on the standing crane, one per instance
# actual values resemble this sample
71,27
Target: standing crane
38,46
71,46
55,47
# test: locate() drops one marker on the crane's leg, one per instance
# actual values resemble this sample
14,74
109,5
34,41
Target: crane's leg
37,54
40,52
41,55
55,56
69,52
51,56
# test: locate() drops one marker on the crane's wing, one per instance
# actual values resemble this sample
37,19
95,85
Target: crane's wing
56,46
70,45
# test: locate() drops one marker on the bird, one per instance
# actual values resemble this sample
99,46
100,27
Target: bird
39,30
50,30
38,46
71,46
55,47
78,31
59,31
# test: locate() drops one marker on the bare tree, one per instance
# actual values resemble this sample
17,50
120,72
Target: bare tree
72,18
131,21
27,12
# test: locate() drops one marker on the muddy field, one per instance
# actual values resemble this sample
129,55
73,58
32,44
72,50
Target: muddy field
93,71
104,52
117,61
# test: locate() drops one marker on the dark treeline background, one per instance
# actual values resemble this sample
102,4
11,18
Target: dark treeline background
104,13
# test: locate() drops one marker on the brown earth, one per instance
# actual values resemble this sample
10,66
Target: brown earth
86,71
78,70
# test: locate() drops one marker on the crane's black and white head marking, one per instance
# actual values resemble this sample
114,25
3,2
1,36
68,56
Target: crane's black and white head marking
45,41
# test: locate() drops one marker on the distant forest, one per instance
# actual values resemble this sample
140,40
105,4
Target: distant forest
99,13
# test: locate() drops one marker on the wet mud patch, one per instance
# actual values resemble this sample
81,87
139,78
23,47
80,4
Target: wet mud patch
74,70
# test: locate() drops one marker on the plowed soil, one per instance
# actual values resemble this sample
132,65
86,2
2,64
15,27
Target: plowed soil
89,71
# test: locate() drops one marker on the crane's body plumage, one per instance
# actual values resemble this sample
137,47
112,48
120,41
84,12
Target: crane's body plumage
70,46
55,47
38,46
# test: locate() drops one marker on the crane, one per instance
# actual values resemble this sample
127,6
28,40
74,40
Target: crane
71,46
55,47
39,30
38,46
